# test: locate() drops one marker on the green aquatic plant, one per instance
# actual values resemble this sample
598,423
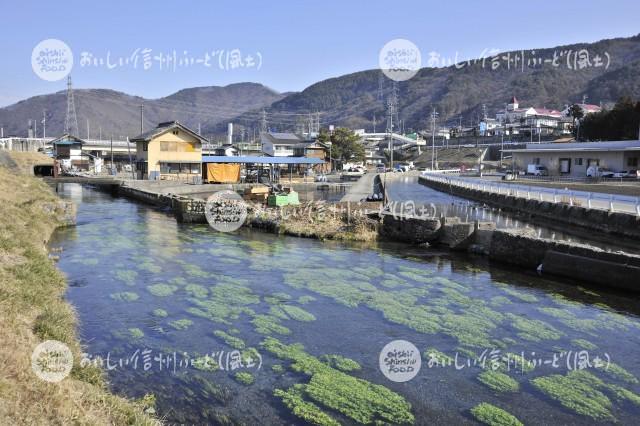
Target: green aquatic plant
369,271
277,298
268,324
250,355
584,344
136,333
125,296
516,362
127,276
298,314
578,392
277,368
393,281
525,297
303,300
341,363
149,266
160,313
181,324
560,313
420,277
244,377
436,358
233,341
500,301
534,330
162,290
498,381
494,416
278,312
179,281
614,370
358,399
622,394
293,399
196,290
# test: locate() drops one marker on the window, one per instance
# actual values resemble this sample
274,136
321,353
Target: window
632,161
145,146
578,161
168,146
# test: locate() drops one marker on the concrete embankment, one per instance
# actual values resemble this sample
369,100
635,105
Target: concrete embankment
621,225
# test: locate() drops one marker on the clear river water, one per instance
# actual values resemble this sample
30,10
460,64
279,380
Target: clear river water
154,297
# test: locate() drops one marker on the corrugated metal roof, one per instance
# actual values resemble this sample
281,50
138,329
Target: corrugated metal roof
260,160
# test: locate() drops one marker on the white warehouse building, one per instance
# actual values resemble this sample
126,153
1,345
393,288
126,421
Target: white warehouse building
573,159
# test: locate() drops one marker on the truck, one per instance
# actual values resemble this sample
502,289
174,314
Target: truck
537,170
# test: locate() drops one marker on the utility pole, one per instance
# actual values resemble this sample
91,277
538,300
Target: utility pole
390,107
374,122
44,123
142,118
434,115
112,155
100,133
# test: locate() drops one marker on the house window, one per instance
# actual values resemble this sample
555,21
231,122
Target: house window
168,146
175,132
145,146
170,168
578,161
632,161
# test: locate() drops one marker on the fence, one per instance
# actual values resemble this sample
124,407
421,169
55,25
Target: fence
590,200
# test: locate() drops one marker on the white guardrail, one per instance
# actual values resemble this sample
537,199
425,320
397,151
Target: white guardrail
590,200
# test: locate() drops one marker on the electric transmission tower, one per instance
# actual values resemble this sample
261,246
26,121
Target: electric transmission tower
71,118
381,87
263,122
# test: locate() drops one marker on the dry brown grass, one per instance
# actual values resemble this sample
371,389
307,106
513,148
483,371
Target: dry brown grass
32,309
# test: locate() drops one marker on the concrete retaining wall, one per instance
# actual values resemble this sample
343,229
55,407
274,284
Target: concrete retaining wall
617,224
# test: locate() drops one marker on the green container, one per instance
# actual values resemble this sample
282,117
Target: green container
280,200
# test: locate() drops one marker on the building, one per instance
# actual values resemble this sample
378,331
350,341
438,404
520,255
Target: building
68,150
541,121
586,109
573,159
314,149
171,151
280,144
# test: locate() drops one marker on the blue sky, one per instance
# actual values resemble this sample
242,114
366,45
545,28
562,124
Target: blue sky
301,42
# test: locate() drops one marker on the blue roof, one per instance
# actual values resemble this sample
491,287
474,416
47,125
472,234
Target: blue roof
260,160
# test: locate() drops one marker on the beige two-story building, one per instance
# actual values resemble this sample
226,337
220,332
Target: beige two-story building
171,151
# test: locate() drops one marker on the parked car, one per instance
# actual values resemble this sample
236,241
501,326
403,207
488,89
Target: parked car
634,174
621,174
537,170
380,168
598,172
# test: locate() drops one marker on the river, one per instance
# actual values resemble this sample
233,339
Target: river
151,294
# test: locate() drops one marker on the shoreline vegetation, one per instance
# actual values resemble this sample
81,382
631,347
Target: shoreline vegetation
33,310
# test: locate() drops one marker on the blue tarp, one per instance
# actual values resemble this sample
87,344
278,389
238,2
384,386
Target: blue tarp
260,160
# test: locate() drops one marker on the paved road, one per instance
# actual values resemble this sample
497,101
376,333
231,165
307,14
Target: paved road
361,189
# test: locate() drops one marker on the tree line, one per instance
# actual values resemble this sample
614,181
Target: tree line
622,122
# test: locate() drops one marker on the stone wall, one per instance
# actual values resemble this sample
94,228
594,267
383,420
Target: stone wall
615,224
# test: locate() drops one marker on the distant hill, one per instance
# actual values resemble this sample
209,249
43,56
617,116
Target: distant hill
460,92
118,113
352,100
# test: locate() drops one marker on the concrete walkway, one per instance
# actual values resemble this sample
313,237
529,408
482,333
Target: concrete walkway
361,189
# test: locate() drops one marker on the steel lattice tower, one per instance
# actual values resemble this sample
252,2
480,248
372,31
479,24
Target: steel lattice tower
71,118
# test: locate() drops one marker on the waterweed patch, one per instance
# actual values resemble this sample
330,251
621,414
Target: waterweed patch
578,392
341,363
127,276
136,333
205,363
498,381
196,290
494,416
125,296
584,344
298,314
614,370
303,300
181,324
525,297
244,378
268,324
233,341
357,399
162,290
293,399
160,313
534,330
436,358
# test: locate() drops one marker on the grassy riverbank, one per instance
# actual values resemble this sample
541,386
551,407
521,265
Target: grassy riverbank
33,309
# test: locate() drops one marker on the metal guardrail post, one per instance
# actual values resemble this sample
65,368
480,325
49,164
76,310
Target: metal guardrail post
589,200
555,195
611,203
638,206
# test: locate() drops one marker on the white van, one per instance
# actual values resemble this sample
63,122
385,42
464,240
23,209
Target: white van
537,170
